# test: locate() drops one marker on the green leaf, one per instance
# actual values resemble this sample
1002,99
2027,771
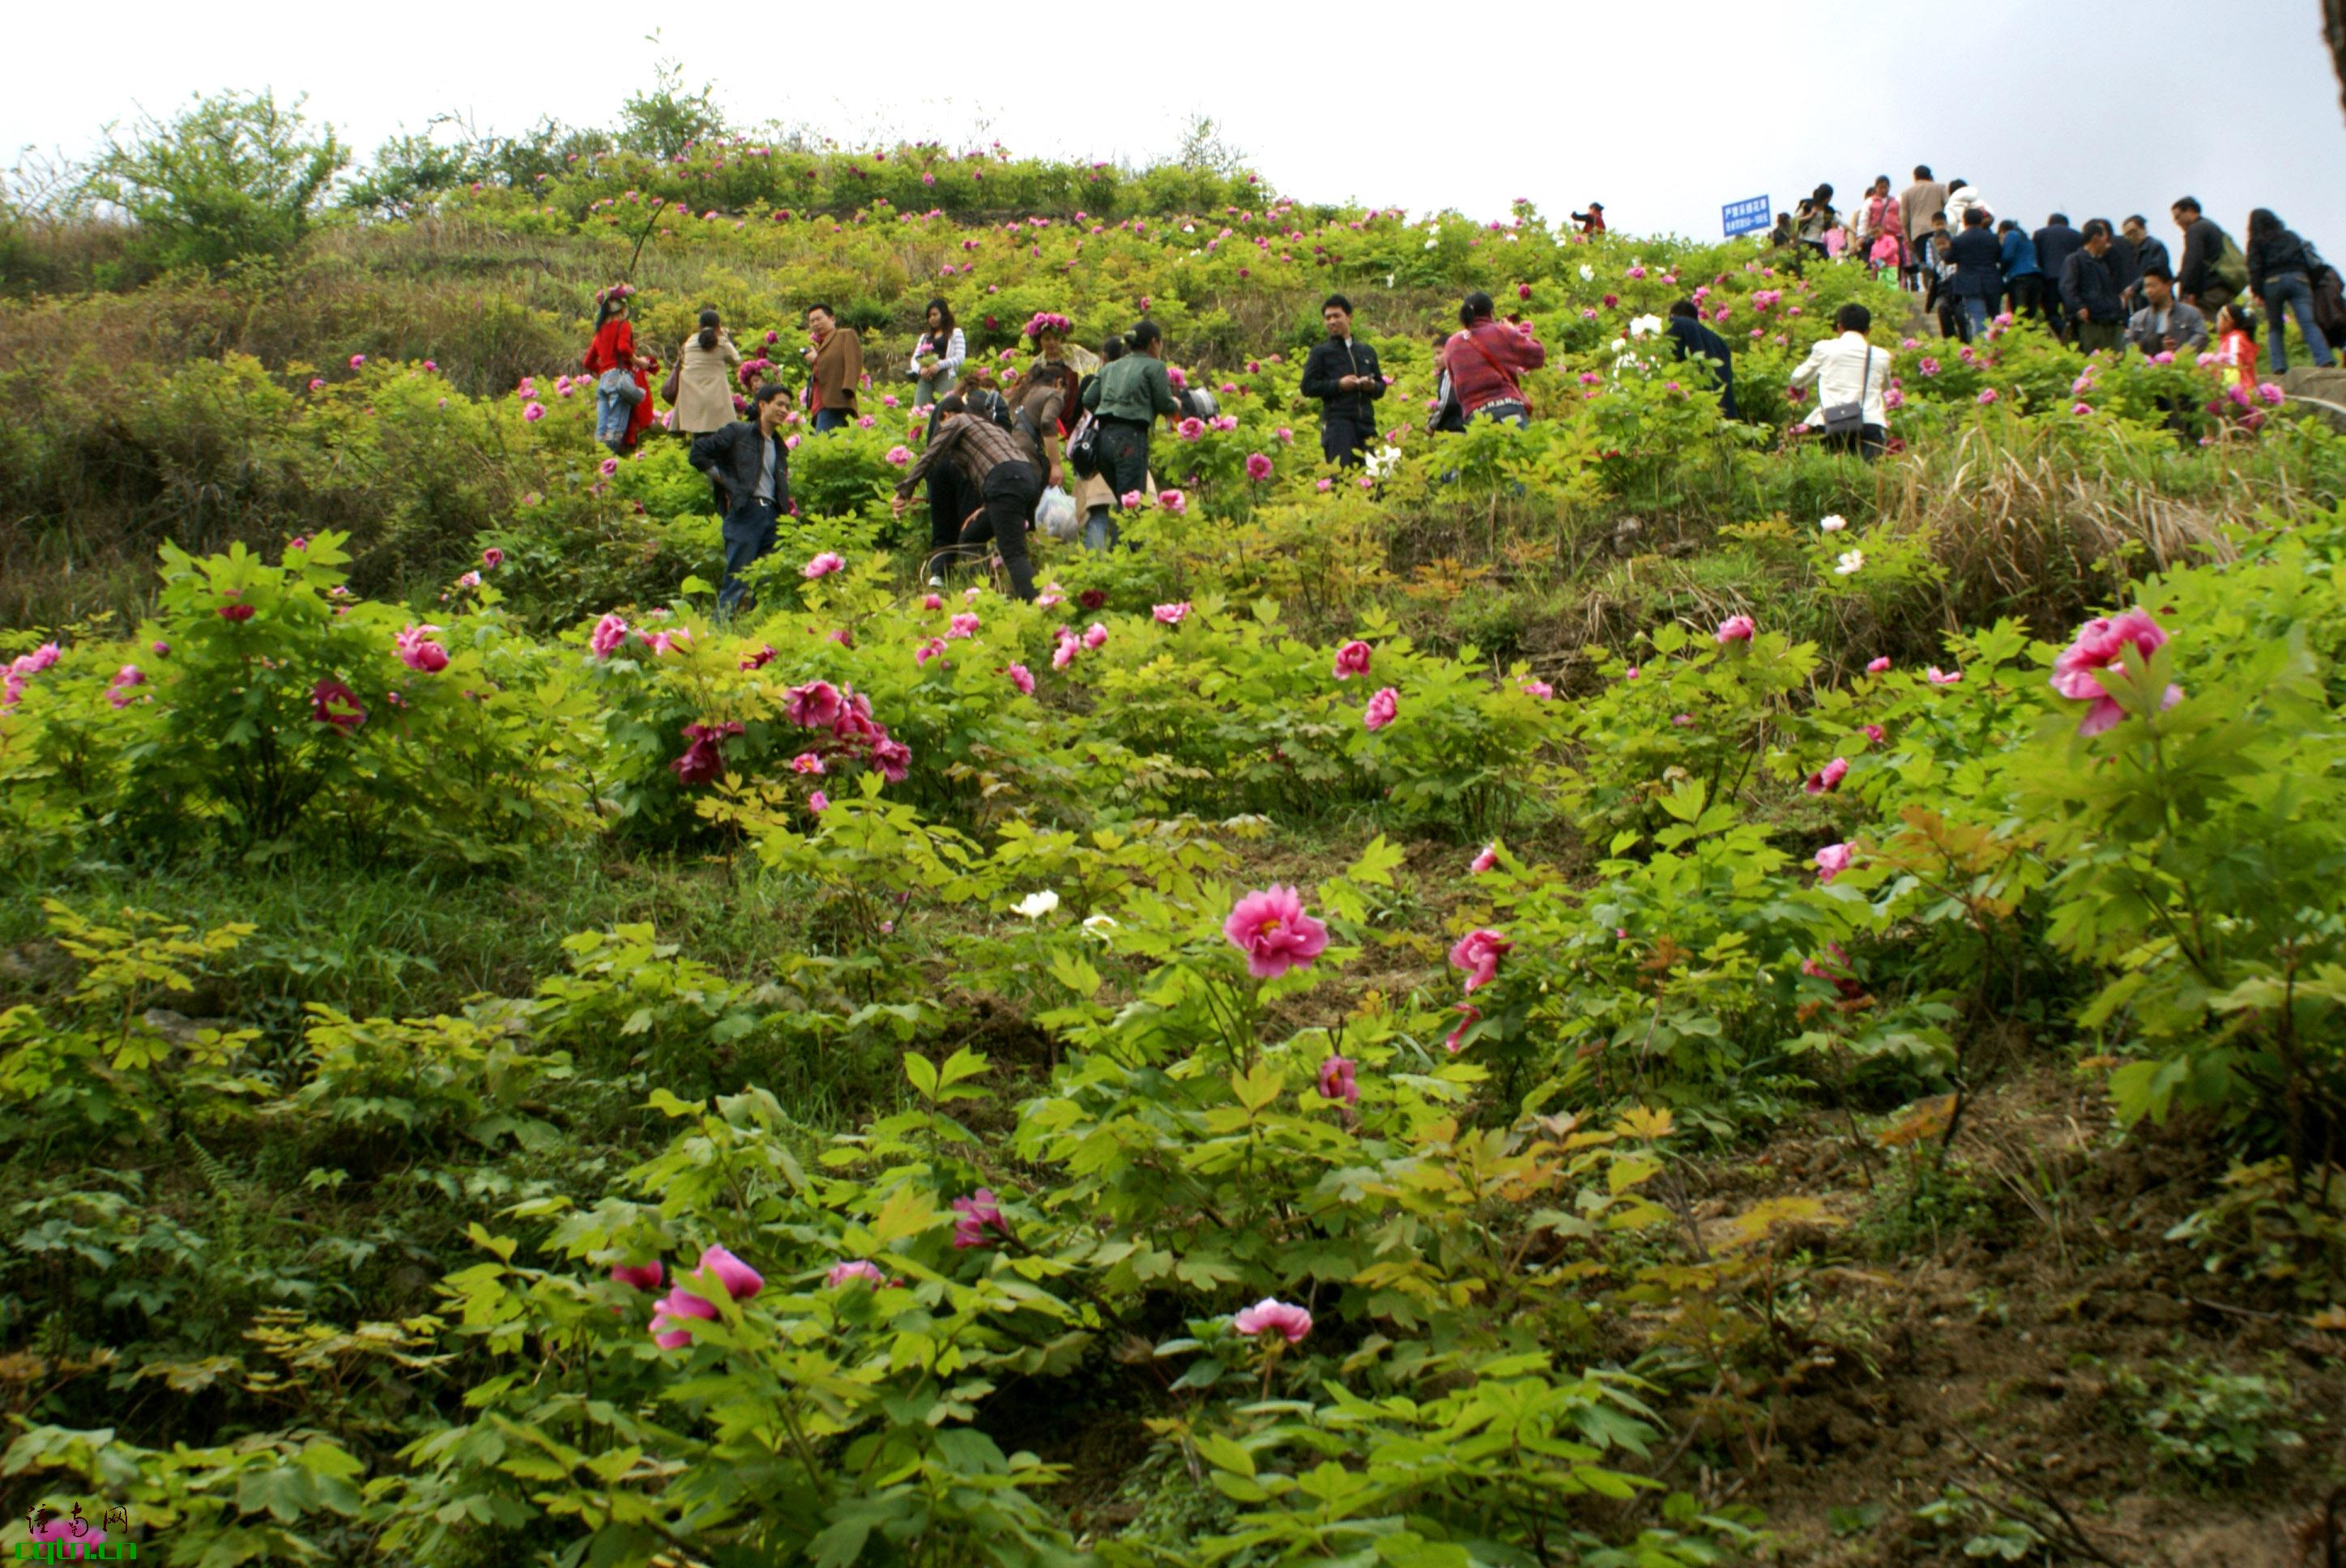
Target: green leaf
923,1074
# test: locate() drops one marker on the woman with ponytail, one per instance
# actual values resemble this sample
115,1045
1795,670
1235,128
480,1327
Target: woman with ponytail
704,379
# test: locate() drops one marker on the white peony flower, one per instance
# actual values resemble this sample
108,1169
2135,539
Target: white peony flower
1849,563
1383,461
1834,524
1645,327
1587,273
1034,906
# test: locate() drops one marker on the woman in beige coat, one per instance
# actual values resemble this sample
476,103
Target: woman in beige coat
704,380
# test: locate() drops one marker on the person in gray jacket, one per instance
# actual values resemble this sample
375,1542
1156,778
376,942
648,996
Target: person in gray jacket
751,467
2165,324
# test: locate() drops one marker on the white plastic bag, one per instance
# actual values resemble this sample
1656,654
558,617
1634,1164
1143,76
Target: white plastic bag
1058,515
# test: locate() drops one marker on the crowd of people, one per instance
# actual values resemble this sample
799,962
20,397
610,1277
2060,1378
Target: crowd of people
2103,285
1067,440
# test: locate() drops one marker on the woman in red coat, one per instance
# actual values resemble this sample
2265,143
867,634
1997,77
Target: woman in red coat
615,339
647,371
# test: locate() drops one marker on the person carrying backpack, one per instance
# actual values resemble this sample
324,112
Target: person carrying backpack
2213,272
2280,275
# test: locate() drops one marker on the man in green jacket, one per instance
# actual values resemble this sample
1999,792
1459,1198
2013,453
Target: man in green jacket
1126,397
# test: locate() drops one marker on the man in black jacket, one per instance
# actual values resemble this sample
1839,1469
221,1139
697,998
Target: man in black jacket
2055,243
1342,373
2203,246
751,469
1690,340
2089,293
2150,250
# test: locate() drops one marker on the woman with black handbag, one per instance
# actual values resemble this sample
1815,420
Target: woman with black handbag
1850,375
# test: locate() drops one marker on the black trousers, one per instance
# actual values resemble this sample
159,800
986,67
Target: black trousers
2026,294
1868,442
1124,458
1343,438
1011,493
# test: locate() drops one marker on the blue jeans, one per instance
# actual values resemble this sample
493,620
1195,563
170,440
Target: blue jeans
1978,312
2290,293
1100,532
749,534
829,419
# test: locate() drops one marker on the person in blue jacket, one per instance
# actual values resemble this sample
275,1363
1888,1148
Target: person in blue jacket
2023,281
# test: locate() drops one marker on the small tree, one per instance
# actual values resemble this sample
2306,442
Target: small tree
235,175
667,119
1203,148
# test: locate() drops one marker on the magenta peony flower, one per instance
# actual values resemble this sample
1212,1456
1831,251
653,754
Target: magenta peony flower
72,1537
1833,861
1023,678
2101,644
316,383
1171,500
980,1212
1876,734
1538,688
2081,409
672,1311
1735,630
741,1280
824,565
417,651
1175,614
817,704
1478,953
1272,929
608,633
640,1276
493,557
236,612
332,702
1258,467
900,455
1269,1316
1353,659
1486,861
357,360
703,761
533,411
1382,708
1827,779
933,648
843,1274
1191,429
1469,1015
963,625
1336,1082
1929,366
1987,395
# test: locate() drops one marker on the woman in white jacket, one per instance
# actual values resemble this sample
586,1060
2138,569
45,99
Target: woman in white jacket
937,357
1847,371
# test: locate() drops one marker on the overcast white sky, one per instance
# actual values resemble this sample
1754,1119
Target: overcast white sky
1663,109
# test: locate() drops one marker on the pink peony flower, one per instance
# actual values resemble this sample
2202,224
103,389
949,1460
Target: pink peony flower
1094,635
1175,614
818,802
1987,395
640,1276
979,1212
2101,644
703,758
1826,779
672,1311
963,625
332,702
608,633
808,762
1258,467
418,652
1336,1081
1270,928
1538,688
1269,1316
1065,654
817,704
1023,678
933,648
1353,659
1171,500
1735,630
1130,499
2081,409
236,612
1833,861
741,1280
843,1274
1469,1015
1486,861
824,565
72,1538
1875,666
533,411
1192,429
1478,953
1938,677
1382,708
357,360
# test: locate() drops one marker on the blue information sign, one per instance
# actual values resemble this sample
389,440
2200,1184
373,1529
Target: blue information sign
1745,217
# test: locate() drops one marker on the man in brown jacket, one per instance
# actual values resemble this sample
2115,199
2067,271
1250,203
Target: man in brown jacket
837,365
1915,205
